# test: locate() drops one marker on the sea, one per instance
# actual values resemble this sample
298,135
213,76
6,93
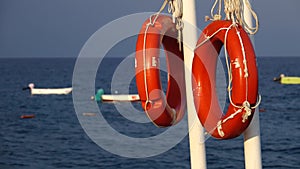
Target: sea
60,135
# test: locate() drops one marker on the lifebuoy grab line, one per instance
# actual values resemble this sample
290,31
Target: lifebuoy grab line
163,110
242,80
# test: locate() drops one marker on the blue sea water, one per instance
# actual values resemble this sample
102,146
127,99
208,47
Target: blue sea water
55,138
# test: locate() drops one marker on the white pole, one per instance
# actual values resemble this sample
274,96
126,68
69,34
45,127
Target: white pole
196,131
252,147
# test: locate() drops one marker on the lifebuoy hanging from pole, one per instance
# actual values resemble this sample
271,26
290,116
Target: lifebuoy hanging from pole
162,109
243,76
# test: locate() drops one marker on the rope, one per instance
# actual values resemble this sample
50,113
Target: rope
175,7
210,36
234,10
151,23
248,111
251,30
216,16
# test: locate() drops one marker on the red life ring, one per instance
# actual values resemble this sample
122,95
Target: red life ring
244,89
162,109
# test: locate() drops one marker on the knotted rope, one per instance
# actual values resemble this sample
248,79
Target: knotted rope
234,10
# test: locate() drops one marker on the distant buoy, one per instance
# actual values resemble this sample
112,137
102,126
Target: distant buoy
27,116
262,110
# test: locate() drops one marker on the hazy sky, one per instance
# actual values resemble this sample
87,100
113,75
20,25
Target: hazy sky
59,28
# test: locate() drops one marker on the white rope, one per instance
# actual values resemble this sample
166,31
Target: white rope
210,36
244,118
151,23
217,16
234,10
220,130
175,7
251,30
248,111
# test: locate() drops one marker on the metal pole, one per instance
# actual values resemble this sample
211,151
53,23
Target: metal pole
196,131
252,147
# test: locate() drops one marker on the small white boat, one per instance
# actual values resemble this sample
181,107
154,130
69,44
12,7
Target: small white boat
35,91
121,98
100,96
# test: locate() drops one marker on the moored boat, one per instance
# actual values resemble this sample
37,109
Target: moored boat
100,96
287,79
45,91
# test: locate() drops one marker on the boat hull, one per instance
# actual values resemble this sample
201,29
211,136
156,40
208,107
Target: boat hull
51,91
120,98
290,80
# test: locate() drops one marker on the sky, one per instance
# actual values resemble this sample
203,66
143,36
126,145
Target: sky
59,28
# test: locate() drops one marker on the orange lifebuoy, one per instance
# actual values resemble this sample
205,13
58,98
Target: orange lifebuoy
162,109
244,89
